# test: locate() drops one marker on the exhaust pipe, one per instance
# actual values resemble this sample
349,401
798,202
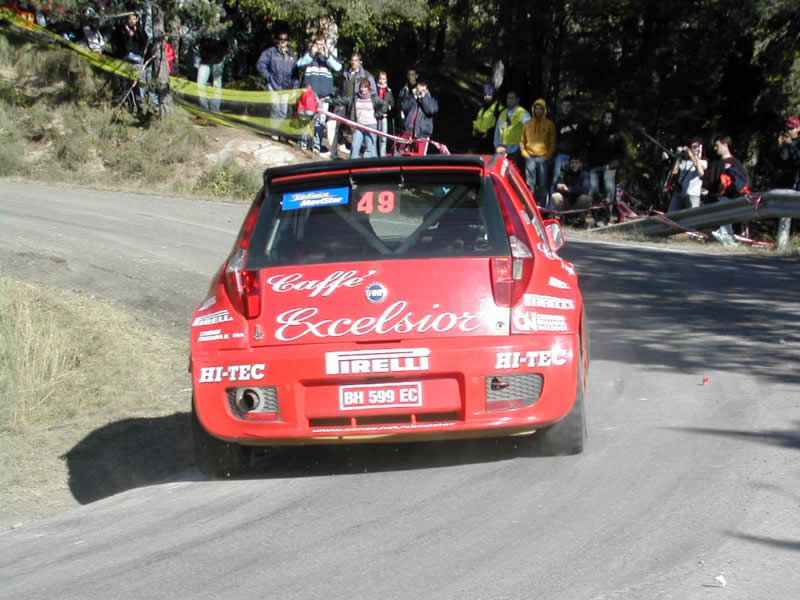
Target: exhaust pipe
248,399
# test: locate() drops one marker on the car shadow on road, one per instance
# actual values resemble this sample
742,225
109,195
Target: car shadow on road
127,454
787,438
138,452
312,461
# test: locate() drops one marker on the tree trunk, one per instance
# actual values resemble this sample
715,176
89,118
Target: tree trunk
160,66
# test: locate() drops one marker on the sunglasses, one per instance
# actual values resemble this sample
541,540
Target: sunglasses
283,39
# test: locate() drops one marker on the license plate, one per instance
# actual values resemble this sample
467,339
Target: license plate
380,395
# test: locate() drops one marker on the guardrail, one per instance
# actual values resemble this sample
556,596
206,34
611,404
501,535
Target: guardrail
774,204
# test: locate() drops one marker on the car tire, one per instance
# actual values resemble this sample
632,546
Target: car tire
215,458
568,436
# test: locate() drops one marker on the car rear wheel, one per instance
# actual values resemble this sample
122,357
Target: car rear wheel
569,434
215,458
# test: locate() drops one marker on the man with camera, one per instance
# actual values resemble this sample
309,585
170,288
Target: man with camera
686,179
419,109
789,142
319,68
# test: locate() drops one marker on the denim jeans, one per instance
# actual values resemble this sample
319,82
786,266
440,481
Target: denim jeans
609,183
383,125
214,72
558,163
367,139
280,105
536,172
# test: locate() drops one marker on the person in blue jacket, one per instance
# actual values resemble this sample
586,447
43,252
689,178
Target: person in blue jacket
278,66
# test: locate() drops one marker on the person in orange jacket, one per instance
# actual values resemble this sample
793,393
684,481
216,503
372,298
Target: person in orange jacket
538,147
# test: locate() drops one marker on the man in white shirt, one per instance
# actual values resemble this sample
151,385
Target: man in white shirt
687,177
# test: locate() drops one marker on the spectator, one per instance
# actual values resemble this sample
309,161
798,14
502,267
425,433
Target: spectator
420,108
212,50
573,191
363,108
385,110
319,69
94,39
348,91
571,134
134,39
687,177
789,142
405,91
278,66
726,178
538,146
486,119
607,152
501,150
330,33
508,130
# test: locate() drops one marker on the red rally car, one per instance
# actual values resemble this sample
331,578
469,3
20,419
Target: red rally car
394,299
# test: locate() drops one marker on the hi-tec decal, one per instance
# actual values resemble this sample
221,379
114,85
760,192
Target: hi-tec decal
377,361
318,287
539,301
297,323
531,321
557,283
220,316
232,373
540,358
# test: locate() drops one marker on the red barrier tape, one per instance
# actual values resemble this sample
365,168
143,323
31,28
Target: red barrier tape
406,141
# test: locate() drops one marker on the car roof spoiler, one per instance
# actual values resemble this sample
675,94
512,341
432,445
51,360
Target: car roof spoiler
311,168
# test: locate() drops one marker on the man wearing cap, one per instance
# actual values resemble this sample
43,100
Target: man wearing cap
789,142
483,125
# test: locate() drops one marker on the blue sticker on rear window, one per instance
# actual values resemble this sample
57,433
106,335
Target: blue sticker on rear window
315,198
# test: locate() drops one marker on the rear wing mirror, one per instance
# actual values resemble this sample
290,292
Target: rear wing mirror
555,235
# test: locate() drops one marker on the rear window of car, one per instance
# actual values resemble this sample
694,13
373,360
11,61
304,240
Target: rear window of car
377,217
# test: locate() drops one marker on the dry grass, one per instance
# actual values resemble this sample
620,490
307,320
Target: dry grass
60,122
68,365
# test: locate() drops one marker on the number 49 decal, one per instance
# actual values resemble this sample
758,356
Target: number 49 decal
386,202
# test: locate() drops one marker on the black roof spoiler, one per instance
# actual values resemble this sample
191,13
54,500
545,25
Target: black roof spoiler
436,160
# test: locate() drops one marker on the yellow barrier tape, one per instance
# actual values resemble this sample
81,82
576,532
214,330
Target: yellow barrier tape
188,94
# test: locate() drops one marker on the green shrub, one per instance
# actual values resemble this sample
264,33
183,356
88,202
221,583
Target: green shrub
228,180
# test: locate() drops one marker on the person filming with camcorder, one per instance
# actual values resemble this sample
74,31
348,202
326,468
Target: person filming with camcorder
686,178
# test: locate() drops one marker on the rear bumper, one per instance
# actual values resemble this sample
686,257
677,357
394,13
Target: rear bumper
453,381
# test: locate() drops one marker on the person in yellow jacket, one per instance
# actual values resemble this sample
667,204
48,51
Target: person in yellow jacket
508,131
538,147
483,125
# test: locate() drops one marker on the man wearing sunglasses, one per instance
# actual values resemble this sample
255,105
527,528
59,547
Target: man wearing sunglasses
278,67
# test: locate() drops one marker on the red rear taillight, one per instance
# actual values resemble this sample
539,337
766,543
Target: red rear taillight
510,274
242,285
244,290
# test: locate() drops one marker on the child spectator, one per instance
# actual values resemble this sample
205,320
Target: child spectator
386,95
363,108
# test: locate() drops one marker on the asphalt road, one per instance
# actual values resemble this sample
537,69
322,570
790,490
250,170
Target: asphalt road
682,480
